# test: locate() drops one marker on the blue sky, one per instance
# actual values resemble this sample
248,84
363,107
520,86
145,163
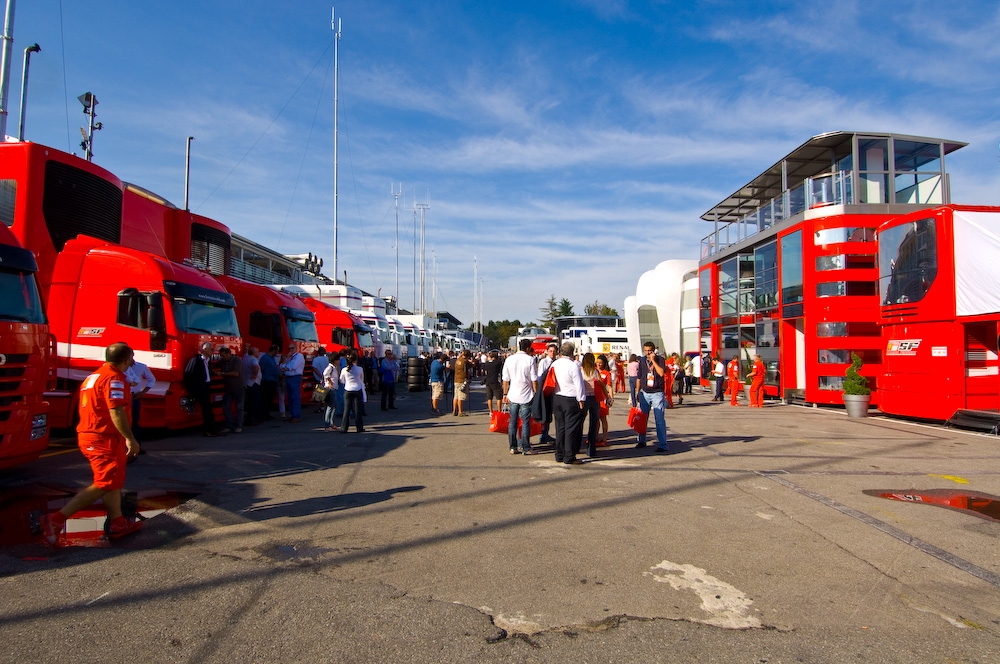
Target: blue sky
569,145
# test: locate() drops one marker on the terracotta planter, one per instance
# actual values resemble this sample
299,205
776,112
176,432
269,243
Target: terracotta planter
857,404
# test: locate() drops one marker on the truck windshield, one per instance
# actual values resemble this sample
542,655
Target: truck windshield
19,298
364,337
301,330
205,318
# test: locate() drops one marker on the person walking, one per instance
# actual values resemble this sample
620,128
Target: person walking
352,377
604,404
105,437
520,380
591,407
436,375
735,384
757,375
568,402
461,371
633,377
652,371
492,368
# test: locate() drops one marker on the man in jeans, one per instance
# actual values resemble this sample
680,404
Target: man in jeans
650,394
520,380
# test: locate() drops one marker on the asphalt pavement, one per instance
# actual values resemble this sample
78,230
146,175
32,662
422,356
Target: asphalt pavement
763,536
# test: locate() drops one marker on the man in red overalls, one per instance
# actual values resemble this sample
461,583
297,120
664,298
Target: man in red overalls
106,439
735,385
757,383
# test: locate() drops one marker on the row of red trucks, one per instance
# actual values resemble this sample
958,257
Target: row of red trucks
104,261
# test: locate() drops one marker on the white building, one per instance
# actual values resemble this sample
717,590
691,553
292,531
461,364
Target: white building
664,309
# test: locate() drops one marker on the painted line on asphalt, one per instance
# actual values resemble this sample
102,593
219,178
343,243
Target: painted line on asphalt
906,538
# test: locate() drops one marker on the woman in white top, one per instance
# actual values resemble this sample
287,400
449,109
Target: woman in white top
352,377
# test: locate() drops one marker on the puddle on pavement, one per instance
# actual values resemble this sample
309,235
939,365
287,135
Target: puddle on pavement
980,504
21,510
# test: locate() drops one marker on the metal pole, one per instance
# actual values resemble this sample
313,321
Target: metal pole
8,44
90,129
34,48
335,22
187,173
396,194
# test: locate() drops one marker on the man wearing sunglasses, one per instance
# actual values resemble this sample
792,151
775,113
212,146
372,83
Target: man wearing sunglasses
650,395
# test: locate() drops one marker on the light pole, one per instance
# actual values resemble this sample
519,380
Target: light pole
34,48
89,102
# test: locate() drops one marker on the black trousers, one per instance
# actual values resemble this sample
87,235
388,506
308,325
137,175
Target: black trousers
268,393
204,399
719,385
388,395
568,417
352,402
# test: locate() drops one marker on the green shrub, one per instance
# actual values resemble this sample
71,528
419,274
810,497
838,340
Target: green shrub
855,383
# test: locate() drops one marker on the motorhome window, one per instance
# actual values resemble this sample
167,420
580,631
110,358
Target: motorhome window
205,317
907,259
848,288
19,297
837,235
8,194
791,273
845,262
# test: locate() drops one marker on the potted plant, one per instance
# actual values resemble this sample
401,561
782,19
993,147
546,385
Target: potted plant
857,394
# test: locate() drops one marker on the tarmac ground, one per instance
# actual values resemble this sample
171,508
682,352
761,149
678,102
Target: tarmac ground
763,537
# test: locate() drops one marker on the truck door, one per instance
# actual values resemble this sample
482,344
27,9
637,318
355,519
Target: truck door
982,366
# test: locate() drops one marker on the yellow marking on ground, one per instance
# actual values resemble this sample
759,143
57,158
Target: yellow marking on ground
958,480
68,449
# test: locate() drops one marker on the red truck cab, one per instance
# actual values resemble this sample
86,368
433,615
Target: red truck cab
24,356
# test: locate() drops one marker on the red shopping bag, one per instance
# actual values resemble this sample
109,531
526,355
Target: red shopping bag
534,427
499,421
637,420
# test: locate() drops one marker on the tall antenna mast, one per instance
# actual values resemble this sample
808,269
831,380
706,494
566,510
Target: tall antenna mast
335,23
392,189
475,293
423,272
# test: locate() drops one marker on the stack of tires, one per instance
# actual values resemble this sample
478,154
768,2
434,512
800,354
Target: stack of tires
416,374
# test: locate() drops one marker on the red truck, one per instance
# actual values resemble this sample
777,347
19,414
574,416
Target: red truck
337,329
24,356
101,293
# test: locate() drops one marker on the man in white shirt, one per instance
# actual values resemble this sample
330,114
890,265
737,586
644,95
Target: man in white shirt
719,375
140,379
520,380
293,367
568,403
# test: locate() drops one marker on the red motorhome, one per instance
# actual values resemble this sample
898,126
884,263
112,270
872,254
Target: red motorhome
24,356
940,308
267,316
102,293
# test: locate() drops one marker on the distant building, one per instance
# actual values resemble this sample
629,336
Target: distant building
664,309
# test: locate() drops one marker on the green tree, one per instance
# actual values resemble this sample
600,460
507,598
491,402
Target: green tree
599,309
565,308
500,332
549,313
